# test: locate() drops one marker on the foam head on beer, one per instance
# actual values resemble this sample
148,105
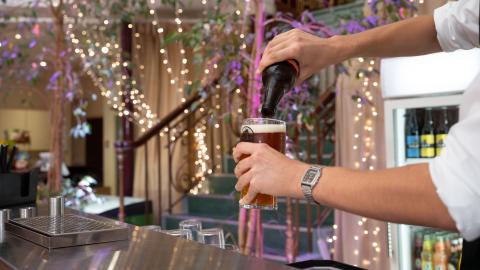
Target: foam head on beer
264,128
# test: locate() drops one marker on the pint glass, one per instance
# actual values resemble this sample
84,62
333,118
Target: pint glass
271,132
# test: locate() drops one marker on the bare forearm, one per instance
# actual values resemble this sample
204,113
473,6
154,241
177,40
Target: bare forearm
410,37
401,195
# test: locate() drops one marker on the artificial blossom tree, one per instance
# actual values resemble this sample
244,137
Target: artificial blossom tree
38,46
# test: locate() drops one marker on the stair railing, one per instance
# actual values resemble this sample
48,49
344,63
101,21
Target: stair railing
176,127
324,128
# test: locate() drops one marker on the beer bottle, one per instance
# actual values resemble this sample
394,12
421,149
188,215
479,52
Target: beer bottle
442,131
278,79
427,136
427,256
412,136
454,255
448,244
440,259
417,253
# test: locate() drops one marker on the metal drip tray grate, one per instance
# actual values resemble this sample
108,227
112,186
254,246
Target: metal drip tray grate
63,225
66,231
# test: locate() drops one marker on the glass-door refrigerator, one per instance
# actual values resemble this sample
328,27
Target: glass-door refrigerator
422,95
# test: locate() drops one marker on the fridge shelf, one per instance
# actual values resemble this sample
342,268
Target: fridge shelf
410,161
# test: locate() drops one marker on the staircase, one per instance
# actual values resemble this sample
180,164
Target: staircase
220,208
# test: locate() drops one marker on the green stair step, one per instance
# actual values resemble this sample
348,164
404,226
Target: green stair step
228,164
303,143
221,183
331,16
274,235
226,207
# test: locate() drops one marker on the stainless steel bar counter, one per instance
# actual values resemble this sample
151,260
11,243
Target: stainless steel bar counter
143,250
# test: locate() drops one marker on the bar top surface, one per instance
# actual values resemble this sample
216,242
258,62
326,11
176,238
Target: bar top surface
143,250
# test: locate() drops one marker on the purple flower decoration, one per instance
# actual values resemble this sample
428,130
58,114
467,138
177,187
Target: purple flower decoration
372,20
32,44
54,77
52,81
235,65
69,95
352,27
297,24
239,80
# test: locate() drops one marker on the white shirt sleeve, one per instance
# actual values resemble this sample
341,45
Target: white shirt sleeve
456,172
457,25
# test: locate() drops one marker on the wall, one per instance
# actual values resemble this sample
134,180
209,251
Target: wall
94,110
27,108
109,158
99,109
35,121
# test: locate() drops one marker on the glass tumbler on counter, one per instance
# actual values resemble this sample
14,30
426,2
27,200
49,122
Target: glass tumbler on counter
154,228
185,234
213,236
229,247
194,225
271,132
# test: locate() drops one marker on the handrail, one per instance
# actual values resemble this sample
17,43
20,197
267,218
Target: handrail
123,147
157,128
326,99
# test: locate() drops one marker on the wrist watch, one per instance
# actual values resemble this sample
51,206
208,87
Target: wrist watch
310,180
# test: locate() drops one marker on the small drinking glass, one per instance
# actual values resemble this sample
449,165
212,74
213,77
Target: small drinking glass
229,247
213,236
154,228
194,225
185,234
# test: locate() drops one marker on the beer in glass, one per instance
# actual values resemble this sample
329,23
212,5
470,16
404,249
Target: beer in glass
271,132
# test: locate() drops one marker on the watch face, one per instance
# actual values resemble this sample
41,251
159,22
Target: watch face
310,175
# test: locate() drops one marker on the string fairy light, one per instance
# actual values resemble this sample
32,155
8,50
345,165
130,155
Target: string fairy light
363,145
117,88
202,161
177,81
366,110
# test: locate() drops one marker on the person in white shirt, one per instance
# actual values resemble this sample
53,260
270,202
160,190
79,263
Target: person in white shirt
443,194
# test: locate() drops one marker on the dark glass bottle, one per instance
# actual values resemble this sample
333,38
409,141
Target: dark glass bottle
417,251
455,254
427,136
412,135
442,131
278,79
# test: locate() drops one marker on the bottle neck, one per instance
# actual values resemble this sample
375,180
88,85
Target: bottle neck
428,117
412,120
445,117
278,79
294,63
